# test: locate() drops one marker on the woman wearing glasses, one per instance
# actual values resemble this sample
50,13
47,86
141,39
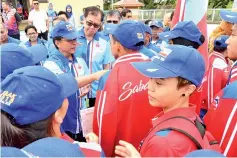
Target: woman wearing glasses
32,34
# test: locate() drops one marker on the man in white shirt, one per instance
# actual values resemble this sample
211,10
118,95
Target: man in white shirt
39,19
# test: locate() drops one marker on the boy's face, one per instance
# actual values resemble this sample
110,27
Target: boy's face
164,92
232,44
114,47
155,31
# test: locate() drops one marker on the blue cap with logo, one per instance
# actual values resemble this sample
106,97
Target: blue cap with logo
33,93
109,28
219,42
229,16
146,28
157,23
14,56
175,61
46,147
64,29
184,29
130,34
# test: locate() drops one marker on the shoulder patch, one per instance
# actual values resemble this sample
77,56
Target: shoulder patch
163,133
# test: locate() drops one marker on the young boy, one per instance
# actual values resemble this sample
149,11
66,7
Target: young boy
173,78
187,33
216,75
122,110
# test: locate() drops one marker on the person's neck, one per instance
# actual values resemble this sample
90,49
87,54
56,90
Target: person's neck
33,43
7,10
125,52
155,39
182,103
4,42
67,55
56,131
36,9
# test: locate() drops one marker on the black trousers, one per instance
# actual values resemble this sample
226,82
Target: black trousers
43,35
77,137
91,102
17,36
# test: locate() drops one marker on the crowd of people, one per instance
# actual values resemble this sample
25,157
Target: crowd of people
140,78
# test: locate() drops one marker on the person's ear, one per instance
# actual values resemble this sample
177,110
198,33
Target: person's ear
61,112
57,43
188,90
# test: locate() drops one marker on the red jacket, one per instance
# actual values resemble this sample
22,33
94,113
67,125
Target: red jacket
168,143
233,74
122,110
221,119
215,78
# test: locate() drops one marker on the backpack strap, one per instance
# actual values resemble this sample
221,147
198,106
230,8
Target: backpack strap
185,126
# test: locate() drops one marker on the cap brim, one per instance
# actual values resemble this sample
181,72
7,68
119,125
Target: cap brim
229,16
69,84
156,26
109,28
153,70
39,53
71,36
167,35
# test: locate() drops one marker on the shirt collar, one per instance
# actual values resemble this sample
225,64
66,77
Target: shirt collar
188,112
130,56
81,34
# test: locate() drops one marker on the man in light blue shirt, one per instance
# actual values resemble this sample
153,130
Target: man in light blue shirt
93,47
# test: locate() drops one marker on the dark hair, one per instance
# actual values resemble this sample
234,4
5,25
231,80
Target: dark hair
56,39
125,11
63,13
93,10
182,82
30,27
15,135
219,49
113,13
172,15
186,42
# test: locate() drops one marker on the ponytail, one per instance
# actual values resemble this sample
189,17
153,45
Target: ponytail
18,136
11,135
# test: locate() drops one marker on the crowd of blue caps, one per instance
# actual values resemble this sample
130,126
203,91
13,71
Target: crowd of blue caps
19,74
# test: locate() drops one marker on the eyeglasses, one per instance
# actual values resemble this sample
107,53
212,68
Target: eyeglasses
36,3
30,34
68,40
112,21
88,23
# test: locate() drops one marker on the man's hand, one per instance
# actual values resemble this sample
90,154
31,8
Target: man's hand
125,149
98,74
85,90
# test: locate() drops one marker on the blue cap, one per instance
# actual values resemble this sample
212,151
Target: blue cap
204,153
157,23
53,147
130,34
64,29
46,147
109,28
219,42
175,61
33,93
184,29
146,28
229,16
14,56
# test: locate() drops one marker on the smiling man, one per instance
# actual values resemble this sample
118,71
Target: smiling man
93,46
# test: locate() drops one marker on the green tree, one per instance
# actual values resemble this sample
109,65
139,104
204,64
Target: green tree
219,3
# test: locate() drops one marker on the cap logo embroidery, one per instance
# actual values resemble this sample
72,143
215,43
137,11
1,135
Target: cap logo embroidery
7,98
139,35
151,70
69,27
